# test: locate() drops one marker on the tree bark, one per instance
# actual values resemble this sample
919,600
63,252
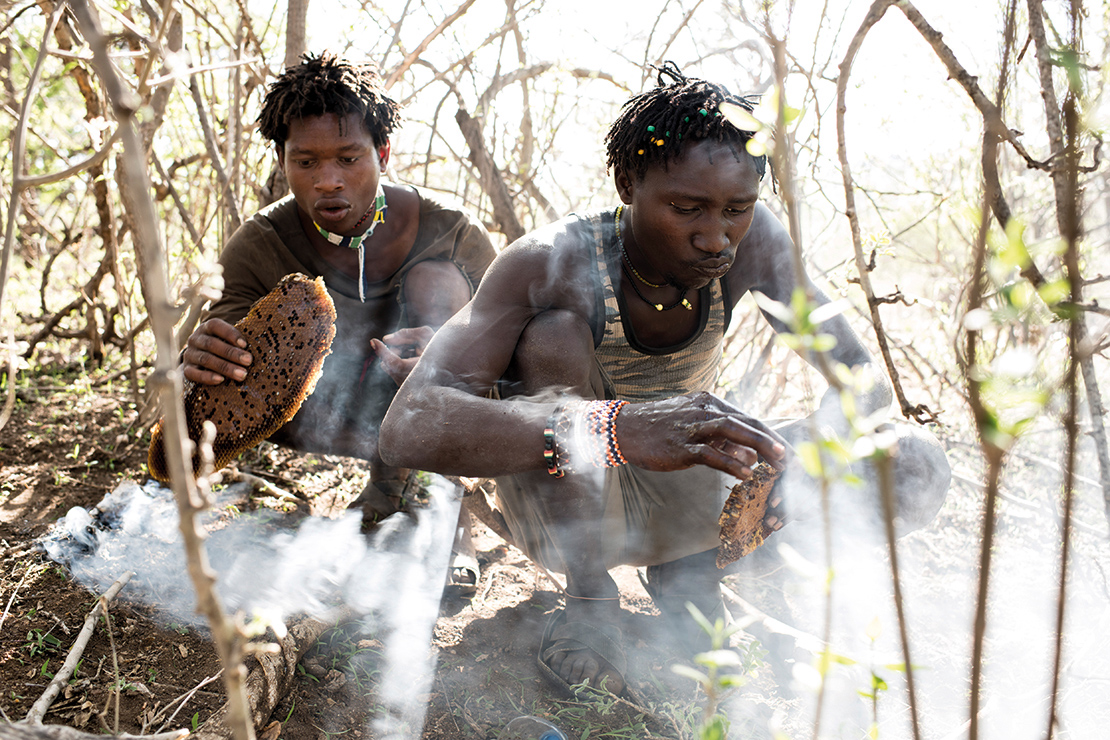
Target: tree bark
270,677
295,35
490,176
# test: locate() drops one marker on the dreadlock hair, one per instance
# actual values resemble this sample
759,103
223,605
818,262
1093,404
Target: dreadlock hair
328,84
654,127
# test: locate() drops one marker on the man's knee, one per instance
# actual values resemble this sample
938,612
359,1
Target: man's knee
555,350
433,291
922,475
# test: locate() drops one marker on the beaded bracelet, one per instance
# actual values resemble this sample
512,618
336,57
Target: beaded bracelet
583,432
550,453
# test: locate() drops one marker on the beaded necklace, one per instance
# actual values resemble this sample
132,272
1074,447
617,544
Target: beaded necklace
359,242
626,263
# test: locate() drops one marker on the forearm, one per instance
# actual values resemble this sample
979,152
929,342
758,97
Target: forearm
454,432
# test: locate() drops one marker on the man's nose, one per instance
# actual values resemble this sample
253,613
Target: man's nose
714,236
328,177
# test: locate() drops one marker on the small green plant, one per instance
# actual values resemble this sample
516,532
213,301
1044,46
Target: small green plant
76,670
39,643
195,721
722,671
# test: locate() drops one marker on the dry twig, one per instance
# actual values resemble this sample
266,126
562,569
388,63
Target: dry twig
136,193
61,677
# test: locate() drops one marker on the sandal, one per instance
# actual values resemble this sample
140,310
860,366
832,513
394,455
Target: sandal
463,575
561,636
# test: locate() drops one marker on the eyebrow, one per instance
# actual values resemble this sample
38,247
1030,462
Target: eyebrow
293,150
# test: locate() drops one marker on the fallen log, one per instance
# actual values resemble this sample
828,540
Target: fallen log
270,675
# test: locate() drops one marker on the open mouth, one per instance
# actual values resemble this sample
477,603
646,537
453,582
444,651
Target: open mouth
333,212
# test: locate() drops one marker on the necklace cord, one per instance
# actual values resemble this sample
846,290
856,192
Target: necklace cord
626,265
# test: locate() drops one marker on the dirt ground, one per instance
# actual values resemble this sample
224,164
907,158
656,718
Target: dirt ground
69,443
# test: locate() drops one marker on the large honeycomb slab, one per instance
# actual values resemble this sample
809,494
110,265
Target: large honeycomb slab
289,333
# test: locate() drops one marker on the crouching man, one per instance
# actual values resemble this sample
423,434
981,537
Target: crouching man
397,261
581,375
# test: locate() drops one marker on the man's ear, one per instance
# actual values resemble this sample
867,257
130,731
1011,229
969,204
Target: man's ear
279,150
625,185
383,155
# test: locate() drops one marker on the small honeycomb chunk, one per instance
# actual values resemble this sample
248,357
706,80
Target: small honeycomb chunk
741,520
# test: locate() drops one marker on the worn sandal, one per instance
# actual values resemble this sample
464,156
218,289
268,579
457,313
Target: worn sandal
561,636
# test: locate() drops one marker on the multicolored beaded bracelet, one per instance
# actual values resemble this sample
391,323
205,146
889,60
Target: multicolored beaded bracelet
550,454
582,432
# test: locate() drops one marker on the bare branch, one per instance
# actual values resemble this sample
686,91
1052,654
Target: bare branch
147,239
918,412
61,677
423,45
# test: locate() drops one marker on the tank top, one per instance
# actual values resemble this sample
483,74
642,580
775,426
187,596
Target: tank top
637,373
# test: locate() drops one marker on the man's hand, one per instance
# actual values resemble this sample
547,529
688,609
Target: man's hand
400,350
215,351
697,429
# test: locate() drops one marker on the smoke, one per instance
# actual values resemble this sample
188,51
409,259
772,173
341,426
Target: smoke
271,567
939,569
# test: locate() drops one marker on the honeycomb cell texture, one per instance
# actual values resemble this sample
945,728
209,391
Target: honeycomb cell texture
289,333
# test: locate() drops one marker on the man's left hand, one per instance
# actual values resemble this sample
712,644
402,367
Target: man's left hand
400,351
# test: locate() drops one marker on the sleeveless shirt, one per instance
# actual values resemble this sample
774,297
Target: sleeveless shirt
638,373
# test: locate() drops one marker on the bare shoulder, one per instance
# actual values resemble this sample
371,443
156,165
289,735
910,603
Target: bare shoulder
547,268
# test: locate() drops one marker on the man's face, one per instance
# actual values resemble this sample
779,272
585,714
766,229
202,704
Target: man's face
688,219
333,169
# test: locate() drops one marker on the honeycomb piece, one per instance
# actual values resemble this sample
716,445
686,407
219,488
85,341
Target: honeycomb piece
289,333
741,520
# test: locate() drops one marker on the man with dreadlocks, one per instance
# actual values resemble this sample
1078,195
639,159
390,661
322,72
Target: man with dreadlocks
397,261
581,376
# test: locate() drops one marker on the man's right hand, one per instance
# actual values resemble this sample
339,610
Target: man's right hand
697,429
215,351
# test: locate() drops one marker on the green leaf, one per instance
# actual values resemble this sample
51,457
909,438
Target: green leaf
791,341
732,681
826,311
717,658
688,672
773,308
756,147
715,728
1055,291
810,458
1013,252
739,117
699,618
824,343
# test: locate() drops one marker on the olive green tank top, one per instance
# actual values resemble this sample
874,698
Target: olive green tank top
638,373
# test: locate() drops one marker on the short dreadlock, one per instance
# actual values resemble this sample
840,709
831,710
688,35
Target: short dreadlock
655,127
328,84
